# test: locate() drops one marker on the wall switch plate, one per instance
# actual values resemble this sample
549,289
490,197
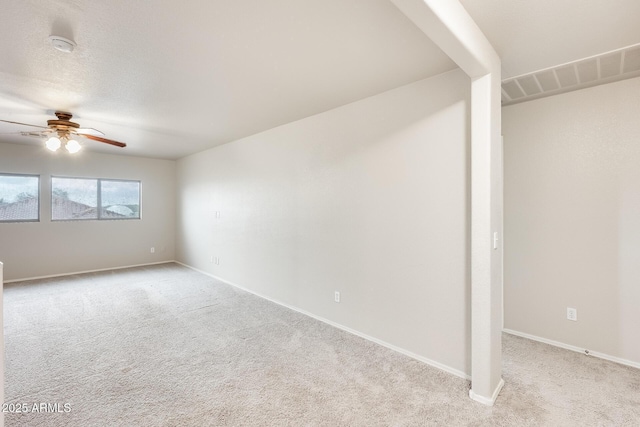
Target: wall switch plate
572,314
336,296
153,250
211,259
217,261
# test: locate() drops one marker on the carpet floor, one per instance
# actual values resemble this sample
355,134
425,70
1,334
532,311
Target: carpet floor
167,346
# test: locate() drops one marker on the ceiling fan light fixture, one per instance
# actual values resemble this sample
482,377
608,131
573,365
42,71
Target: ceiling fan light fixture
72,146
53,143
63,44
60,132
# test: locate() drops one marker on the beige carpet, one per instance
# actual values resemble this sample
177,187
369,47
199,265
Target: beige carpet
167,346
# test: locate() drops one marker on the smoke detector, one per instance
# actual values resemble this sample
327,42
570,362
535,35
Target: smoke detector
63,44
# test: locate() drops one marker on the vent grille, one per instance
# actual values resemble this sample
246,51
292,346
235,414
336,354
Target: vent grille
547,80
610,65
606,68
567,76
588,71
631,61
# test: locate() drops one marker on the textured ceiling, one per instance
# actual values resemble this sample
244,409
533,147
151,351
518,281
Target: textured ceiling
171,78
531,35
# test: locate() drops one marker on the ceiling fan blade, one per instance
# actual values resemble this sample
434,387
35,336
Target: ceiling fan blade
105,140
89,131
23,124
42,134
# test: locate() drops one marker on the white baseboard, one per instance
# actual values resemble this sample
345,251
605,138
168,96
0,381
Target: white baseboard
574,348
87,271
422,359
487,401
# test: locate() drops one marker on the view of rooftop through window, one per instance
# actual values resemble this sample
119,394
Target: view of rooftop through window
19,197
74,198
81,198
122,197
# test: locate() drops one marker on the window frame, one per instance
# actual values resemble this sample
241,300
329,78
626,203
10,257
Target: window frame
119,180
99,198
31,175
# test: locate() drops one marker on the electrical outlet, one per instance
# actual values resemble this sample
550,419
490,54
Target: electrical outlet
153,250
572,314
217,214
336,296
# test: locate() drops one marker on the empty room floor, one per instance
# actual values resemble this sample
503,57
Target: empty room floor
168,346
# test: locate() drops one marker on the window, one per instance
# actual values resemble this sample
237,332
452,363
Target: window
119,199
74,198
82,198
19,198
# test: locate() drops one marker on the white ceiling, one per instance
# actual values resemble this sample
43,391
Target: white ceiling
171,78
530,35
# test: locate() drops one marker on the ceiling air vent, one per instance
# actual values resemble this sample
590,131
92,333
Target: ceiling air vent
588,71
547,80
567,76
631,61
610,65
596,70
529,85
512,89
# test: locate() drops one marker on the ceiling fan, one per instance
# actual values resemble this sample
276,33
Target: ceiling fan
61,132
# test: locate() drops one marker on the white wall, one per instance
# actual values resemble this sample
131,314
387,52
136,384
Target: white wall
2,340
572,218
47,248
370,199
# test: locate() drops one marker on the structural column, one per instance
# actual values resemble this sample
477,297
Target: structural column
448,25
486,241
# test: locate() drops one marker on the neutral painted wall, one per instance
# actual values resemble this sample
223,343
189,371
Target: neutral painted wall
47,248
370,199
572,218
2,340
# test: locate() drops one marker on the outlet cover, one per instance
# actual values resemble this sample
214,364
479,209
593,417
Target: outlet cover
572,314
336,296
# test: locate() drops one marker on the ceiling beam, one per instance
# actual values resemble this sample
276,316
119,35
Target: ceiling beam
450,27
